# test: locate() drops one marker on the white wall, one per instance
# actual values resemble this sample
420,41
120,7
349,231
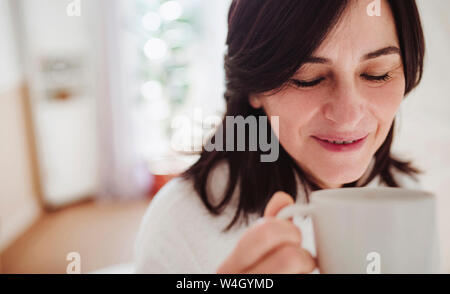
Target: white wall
9,73
424,122
18,205
65,130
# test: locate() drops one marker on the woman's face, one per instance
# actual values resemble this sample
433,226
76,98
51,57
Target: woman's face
350,89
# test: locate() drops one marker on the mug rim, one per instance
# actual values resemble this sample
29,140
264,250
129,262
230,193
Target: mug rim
390,195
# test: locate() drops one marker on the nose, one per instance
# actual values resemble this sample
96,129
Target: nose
345,107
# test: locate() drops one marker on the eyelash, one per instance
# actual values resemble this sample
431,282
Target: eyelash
383,78
302,84
311,84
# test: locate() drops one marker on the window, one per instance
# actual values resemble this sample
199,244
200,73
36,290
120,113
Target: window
178,65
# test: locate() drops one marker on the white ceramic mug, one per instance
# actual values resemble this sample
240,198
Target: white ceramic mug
372,230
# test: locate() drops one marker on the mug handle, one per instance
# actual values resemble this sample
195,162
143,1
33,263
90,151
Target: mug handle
295,210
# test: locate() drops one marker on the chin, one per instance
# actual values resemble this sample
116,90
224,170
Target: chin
337,176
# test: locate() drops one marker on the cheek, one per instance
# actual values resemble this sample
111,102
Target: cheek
387,99
384,103
295,111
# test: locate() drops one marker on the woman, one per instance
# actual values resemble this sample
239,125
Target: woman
334,77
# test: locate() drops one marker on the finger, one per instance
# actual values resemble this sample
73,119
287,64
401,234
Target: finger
258,241
288,259
277,202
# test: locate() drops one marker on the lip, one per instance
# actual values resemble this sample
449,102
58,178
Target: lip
341,148
343,137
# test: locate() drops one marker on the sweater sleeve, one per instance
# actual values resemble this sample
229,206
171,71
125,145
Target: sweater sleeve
160,246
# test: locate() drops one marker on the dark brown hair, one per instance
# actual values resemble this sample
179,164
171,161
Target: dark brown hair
267,43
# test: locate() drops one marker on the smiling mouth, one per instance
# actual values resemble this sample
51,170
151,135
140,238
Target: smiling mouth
336,145
341,142
340,139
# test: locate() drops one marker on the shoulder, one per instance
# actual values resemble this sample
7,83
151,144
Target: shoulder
170,197
171,231
177,228
170,209
158,227
179,200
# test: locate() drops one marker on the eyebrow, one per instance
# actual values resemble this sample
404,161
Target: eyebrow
384,51
380,52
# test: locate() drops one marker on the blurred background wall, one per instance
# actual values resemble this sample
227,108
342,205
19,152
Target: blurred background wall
89,92
91,97
19,206
57,62
423,129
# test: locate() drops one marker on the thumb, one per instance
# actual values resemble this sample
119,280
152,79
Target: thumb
279,200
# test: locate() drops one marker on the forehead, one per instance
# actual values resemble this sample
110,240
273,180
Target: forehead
357,33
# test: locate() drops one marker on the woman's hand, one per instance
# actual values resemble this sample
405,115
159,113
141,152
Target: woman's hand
270,246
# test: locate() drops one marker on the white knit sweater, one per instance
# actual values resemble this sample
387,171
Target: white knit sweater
179,235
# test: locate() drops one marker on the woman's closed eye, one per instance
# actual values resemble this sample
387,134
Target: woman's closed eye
383,78
312,83
307,84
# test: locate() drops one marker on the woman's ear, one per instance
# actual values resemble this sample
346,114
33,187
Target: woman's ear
255,101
